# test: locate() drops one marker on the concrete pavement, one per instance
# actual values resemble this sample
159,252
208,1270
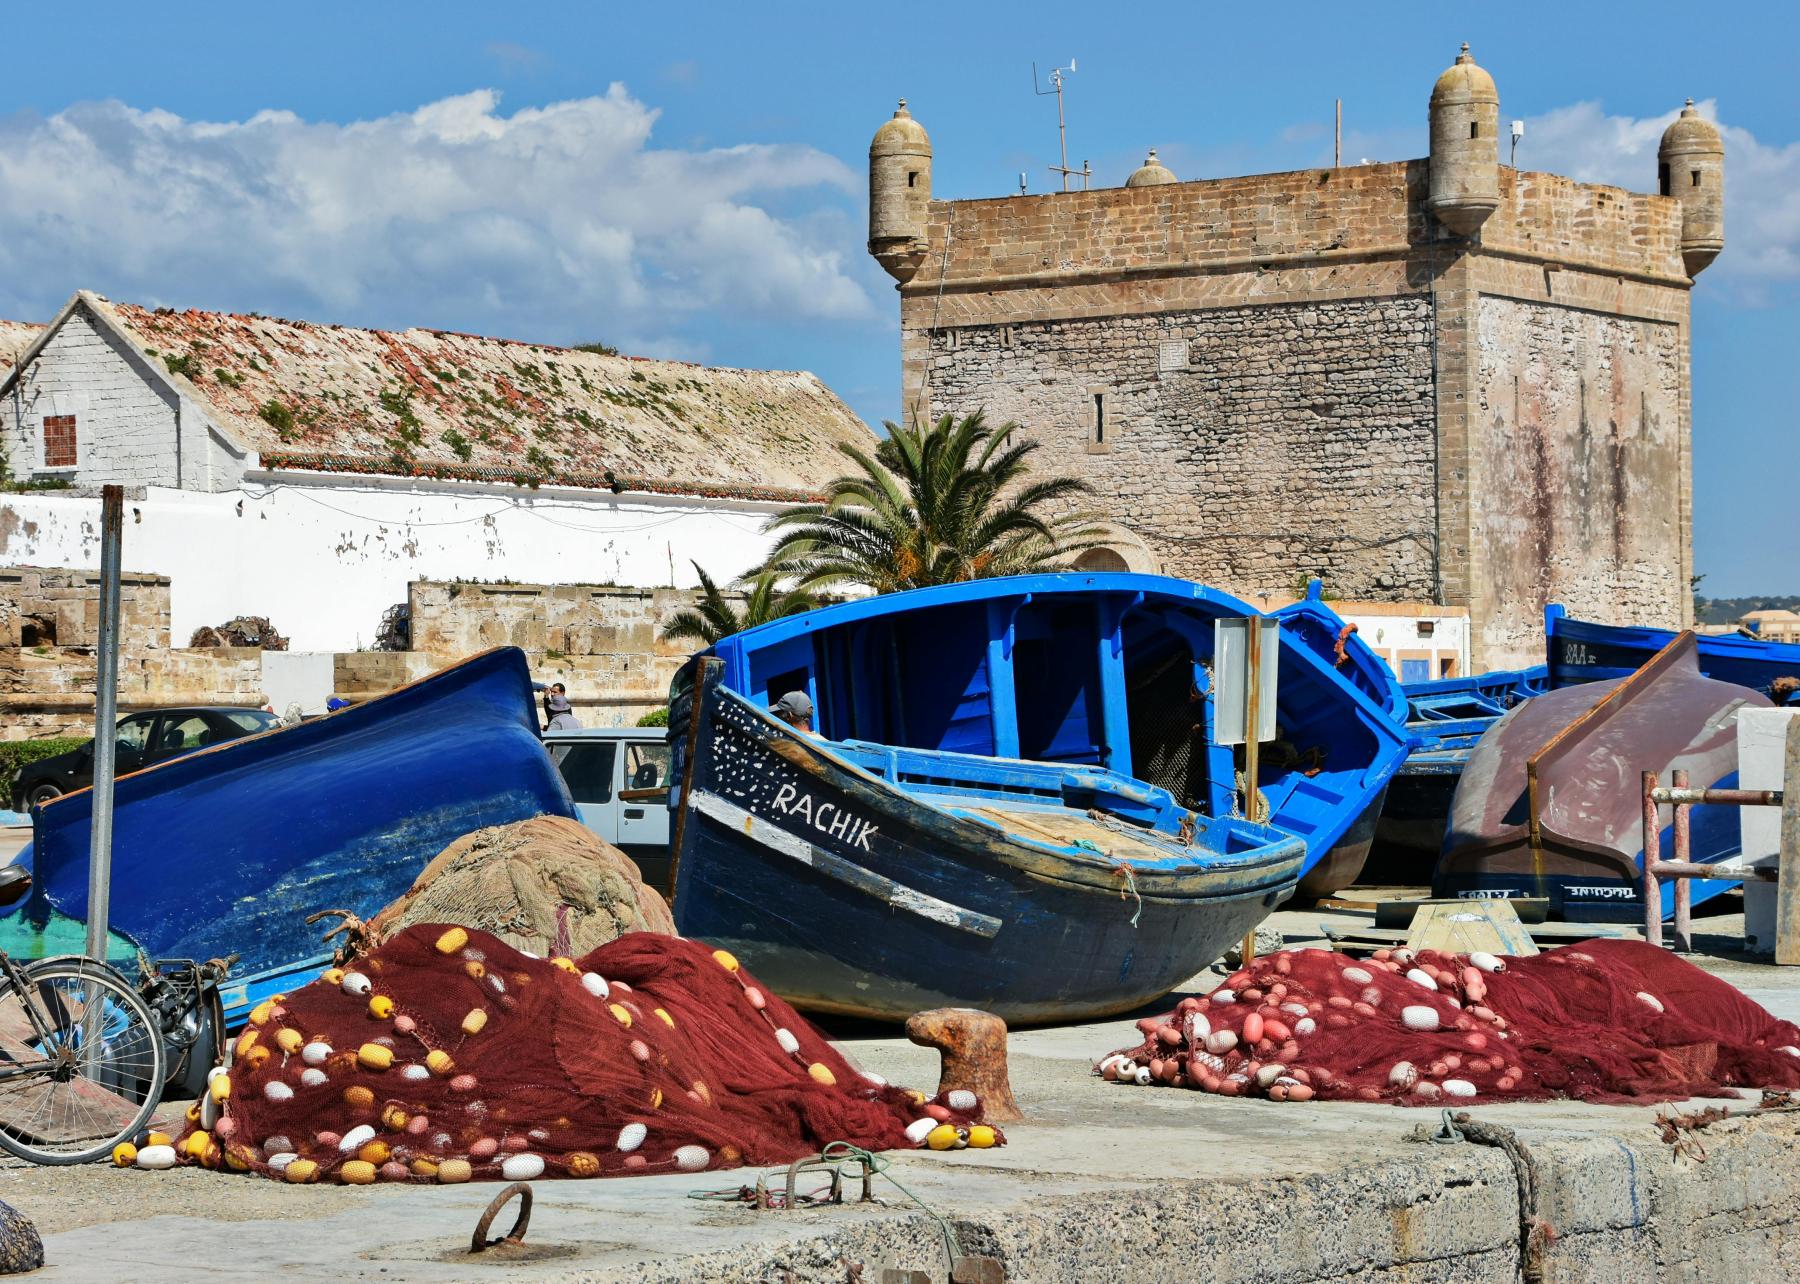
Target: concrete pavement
1103,1182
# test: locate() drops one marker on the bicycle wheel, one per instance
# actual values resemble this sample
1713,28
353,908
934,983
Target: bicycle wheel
81,1061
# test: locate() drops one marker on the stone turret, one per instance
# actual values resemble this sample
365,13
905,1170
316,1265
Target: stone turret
1690,165
1151,173
899,191
1465,146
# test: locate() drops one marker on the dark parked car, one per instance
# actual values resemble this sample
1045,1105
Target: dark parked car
144,739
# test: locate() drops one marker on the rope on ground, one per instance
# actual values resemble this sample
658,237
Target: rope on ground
1534,1231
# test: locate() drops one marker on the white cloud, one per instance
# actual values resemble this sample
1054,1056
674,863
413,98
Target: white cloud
1762,181
556,222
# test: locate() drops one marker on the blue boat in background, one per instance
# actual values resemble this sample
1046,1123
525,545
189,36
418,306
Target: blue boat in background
1581,651
1452,703
229,849
1325,631
1012,798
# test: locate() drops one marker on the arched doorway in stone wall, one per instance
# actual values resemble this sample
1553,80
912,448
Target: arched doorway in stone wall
1101,559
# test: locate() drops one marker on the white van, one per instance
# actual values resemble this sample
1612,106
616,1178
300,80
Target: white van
619,778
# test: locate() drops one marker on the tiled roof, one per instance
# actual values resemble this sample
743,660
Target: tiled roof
15,337
437,403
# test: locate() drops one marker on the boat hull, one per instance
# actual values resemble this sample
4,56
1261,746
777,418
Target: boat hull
1582,651
228,850
1577,756
1446,718
847,895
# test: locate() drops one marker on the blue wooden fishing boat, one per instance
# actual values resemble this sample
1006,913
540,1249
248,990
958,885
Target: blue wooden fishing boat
1330,637
1011,798
1550,804
1452,703
1582,651
229,849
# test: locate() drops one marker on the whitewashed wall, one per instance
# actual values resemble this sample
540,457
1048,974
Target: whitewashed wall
323,557
1398,638
298,677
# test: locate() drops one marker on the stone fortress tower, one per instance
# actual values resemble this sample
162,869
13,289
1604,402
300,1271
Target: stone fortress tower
1431,380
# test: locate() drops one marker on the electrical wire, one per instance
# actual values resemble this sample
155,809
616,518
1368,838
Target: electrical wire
507,505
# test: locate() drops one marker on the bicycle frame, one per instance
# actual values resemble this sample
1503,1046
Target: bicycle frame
15,976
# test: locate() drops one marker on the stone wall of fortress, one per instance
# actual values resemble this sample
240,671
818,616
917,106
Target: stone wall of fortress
1303,373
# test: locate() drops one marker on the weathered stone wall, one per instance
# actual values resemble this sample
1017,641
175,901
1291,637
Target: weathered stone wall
1250,446
1335,289
1577,447
49,627
52,693
59,607
601,641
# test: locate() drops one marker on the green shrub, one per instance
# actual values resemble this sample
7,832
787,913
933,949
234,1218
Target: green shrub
17,753
655,718
278,416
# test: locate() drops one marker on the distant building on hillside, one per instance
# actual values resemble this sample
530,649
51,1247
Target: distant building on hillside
1772,626
1438,380
309,473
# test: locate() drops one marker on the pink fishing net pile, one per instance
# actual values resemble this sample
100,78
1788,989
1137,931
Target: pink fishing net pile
448,1055
1603,1021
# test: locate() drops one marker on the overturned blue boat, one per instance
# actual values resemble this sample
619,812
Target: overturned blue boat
1011,798
229,849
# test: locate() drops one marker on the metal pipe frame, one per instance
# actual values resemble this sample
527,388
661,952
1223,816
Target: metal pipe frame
1678,796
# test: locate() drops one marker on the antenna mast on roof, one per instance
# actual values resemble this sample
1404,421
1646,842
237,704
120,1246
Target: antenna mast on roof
1062,129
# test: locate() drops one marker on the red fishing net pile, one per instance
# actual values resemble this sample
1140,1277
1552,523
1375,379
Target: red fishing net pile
1604,1021
446,1055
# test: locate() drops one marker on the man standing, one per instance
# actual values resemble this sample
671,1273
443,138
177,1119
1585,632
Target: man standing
558,712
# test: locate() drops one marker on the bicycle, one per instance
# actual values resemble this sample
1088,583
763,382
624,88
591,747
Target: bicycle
82,1056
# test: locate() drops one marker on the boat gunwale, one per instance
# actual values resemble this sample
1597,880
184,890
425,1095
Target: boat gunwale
1379,721
241,741
1268,865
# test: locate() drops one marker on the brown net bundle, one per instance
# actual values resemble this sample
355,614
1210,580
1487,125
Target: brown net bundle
548,885
446,1055
1602,1021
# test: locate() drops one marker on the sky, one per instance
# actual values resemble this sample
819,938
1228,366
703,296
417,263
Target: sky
691,181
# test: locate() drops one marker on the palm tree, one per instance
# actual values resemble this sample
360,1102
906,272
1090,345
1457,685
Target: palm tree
714,616
933,503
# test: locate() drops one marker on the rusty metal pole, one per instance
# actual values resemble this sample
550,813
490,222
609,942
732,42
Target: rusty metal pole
1787,884
1652,854
1252,746
1684,889
106,719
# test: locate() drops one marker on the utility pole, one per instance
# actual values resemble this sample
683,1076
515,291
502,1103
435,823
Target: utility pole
1062,128
1337,136
106,718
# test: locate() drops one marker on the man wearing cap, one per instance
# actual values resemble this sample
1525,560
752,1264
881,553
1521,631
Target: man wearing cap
796,709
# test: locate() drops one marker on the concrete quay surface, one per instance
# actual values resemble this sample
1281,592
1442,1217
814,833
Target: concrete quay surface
1104,1182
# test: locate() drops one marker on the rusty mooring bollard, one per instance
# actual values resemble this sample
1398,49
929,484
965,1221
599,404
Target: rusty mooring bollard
973,1047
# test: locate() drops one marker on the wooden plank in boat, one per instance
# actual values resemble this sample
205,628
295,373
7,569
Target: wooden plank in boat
1065,829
